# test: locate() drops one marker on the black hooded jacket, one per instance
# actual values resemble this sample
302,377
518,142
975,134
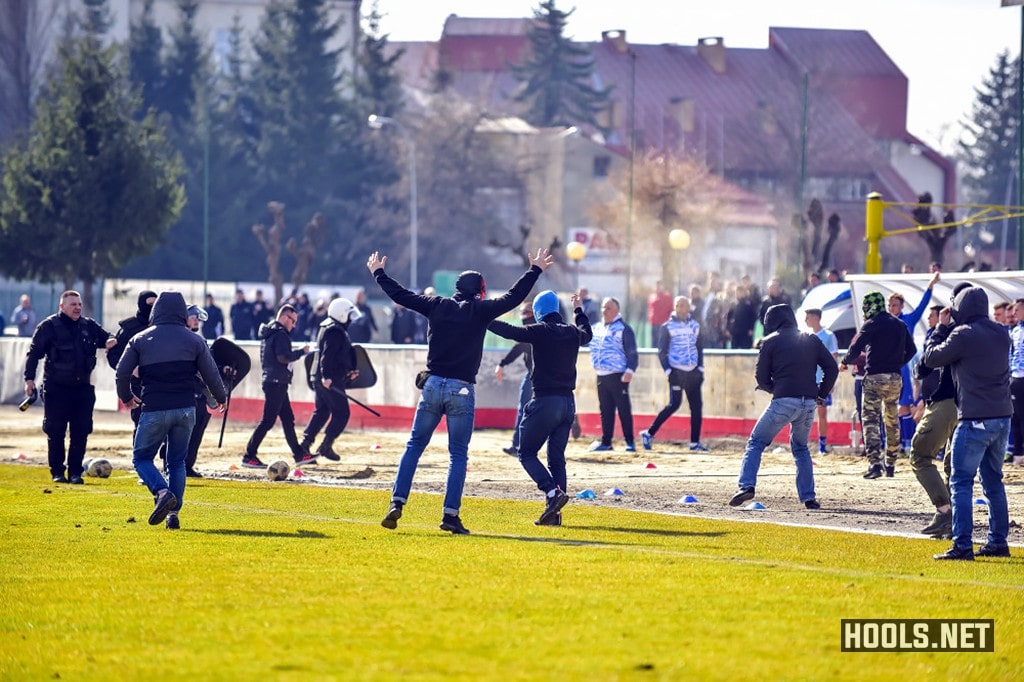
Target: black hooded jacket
455,336
130,326
276,352
556,346
978,351
888,344
168,355
788,359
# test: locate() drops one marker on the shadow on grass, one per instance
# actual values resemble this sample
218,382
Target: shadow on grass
651,531
310,534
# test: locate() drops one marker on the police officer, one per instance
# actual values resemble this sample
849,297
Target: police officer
69,343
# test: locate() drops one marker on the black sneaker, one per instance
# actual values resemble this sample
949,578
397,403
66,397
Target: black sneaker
966,554
942,523
192,473
60,479
172,522
890,471
165,499
76,480
328,453
390,521
252,462
511,451
993,550
552,506
812,504
874,471
305,458
742,496
555,520
453,524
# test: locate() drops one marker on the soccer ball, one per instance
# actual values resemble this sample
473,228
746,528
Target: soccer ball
279,470
98,467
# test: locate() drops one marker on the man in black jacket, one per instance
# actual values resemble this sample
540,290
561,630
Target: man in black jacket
276,356
455,346
525,386
127,328
977,350
549,414
69,343
787,365
167,355
889,346
335,366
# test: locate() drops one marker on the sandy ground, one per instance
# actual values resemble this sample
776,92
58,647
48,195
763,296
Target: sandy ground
657,480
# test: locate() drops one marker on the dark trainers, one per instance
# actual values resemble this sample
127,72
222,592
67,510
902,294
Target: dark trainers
955,554
172,522
252,462
630,447
812,504
390,521
552,506
60,479
993,550
453,524
305,458
192,473
598,446
874,471
555,520
890,471
698,447
942,524
575,429
76,480
647,439
165,499
511,451
328,453
742,496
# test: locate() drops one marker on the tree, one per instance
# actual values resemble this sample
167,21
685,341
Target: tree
989,143
557,77
935,238
186,67
145,65
93,187
24,45
379,85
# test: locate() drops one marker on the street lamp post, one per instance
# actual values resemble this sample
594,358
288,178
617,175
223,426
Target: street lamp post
576,252
679,240
377,122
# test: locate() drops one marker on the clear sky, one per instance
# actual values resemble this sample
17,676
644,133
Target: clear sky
944,47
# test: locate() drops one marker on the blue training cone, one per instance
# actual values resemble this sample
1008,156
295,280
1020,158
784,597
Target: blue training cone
614,491
755,506
587,494
689,499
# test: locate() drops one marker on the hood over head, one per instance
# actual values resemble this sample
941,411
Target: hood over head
969,305
779,317
145,309
469,285
170,309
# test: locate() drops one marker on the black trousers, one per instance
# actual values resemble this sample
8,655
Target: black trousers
327,404
612,395
680,382
67,409
275,404
1017,420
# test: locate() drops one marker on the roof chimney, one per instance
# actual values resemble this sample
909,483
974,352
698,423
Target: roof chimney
617,39
713,52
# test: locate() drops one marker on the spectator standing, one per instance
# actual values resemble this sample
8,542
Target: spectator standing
404,325
659,307
888,346
590,307
69,343
24,317
977,349
787,363
812,317
214,325
682,357
241,314
262,311
776,296
458,326
167,356
276,356
742,317
615,358
362,328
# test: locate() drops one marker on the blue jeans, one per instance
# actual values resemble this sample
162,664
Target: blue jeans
174,426
455,400
547,418
799,414
978,447
525,393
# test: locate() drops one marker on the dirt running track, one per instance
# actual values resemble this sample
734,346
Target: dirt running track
369,460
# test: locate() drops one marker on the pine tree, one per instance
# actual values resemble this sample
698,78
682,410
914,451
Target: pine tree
92,187
144,62
186,67
557,78
988,147
379,85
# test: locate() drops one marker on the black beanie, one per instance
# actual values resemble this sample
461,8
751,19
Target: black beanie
470,283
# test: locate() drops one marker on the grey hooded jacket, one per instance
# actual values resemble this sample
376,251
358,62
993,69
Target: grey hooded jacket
977,350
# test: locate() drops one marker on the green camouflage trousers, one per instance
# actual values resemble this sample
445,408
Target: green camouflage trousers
881,393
